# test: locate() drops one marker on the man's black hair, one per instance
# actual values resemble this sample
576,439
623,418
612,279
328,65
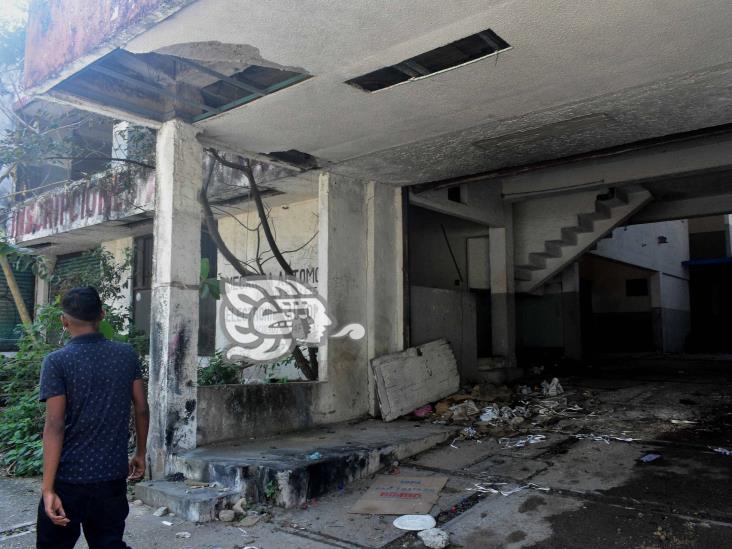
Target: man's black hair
82,303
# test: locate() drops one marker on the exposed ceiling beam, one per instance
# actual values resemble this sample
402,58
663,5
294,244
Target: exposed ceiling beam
154,88
233,81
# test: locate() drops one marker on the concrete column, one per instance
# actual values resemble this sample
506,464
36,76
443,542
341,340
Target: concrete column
342,281
384,276
657,310
728,235
174,316
571,315
503,306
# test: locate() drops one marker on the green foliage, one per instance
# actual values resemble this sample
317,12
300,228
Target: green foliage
21,420
209,287
271,490
218,371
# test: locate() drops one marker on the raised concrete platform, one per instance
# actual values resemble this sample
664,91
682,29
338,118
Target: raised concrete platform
291,469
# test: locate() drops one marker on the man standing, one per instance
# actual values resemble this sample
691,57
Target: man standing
88,386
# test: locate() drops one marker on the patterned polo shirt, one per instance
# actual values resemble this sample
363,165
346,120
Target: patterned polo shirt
96,376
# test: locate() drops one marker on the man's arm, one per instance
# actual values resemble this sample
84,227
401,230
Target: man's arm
53,441
142,423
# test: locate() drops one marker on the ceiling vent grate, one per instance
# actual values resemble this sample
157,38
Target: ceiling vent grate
455,54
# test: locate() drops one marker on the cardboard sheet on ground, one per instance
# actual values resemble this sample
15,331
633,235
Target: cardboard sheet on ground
400,495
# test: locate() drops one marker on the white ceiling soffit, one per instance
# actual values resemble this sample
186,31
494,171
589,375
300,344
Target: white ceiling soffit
646,68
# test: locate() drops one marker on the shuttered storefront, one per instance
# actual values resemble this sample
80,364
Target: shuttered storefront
9,318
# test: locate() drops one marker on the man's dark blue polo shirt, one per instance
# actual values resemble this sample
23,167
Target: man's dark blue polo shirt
96,376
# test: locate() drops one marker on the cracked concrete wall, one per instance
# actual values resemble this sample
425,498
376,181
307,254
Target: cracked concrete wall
174,317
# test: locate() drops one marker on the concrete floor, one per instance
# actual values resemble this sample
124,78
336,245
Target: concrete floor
599,494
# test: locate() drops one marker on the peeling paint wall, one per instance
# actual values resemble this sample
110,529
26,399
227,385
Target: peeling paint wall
60,32
108,196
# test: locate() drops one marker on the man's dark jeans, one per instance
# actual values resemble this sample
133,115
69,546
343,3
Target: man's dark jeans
100,508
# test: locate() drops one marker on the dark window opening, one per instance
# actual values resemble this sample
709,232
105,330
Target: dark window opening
454,194
142,291
468,49
636,287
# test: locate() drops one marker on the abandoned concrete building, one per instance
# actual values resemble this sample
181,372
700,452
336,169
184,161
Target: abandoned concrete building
534,184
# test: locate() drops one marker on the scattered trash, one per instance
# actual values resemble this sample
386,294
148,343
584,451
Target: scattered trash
314,456
227,515
182,535
722,451
424,411
167,523
603,438
160,511
683,422
464,411
469,432
490,413
137,502
648,458
434,538
415,522
504,488
400,495
552,388
520,442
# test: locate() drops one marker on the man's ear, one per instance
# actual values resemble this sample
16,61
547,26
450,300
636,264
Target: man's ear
64,322
101,315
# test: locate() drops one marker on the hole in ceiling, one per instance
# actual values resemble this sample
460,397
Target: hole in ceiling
296,158
452,55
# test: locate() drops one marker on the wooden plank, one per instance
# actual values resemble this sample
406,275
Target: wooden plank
415,377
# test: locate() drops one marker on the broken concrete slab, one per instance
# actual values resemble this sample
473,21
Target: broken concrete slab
280,470
197,505
415,377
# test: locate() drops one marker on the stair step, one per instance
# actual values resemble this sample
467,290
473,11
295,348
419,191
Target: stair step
193,504
291,469
553,248
522,274
538,259
528,267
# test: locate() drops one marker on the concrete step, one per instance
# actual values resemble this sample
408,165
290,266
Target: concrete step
194,504
291,469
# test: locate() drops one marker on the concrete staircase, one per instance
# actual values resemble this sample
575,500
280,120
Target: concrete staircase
287,470
577,239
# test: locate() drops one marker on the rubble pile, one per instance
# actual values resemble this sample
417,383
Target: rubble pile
488,410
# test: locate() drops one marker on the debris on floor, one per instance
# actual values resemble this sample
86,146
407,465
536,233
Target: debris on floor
503,488
649,458
415,523
722,451
400,495
434,538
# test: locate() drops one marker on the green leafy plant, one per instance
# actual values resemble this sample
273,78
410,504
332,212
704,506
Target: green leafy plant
209,287
218,371
271,490
21,419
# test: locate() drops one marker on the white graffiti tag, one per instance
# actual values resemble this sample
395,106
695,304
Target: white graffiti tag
265,318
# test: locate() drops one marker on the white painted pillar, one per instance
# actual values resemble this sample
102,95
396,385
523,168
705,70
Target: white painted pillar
342,276
174,317
571,315
384,276
503,305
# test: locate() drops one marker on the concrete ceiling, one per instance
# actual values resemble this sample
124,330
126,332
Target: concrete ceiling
581,75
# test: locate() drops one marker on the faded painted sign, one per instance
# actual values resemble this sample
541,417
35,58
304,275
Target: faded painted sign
102,198
60,32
